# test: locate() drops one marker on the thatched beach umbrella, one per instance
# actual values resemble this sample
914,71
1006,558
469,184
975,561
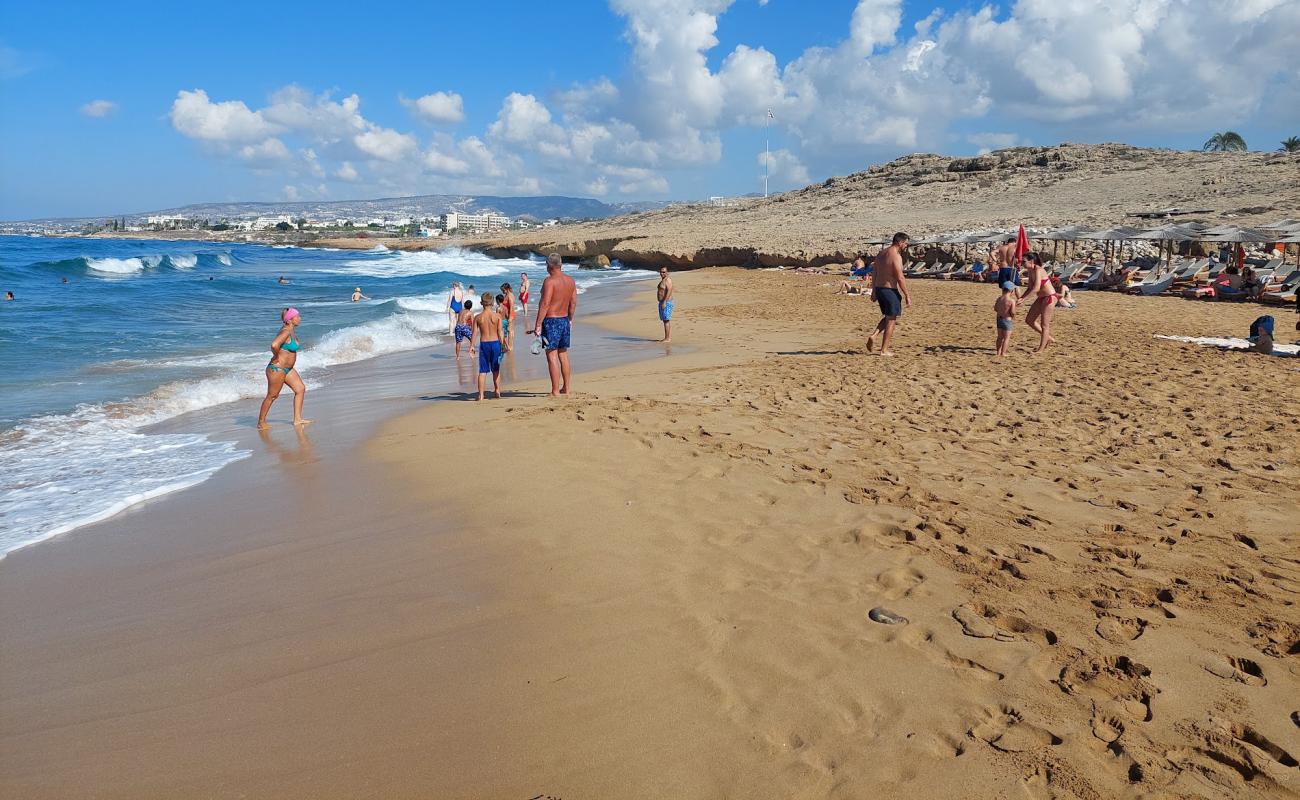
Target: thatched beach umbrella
1170,233
1239,236
1292,239
1120,234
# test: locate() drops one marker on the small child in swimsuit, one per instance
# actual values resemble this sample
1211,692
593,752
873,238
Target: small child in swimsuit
463,327
1005,308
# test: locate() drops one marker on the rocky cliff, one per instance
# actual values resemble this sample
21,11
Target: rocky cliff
1096,185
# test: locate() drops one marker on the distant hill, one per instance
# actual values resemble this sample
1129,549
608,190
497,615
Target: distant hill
1100,185
421,206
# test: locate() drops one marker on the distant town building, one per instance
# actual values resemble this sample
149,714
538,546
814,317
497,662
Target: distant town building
266,223
169,221
472,223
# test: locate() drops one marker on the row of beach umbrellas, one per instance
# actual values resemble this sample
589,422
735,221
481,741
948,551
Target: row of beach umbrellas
1284,231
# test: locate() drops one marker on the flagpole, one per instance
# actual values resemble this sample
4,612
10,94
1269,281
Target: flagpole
767,150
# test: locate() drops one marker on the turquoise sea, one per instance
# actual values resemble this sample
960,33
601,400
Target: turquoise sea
108,337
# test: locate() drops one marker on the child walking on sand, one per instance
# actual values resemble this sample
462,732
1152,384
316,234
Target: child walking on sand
488,333
1005,308
464,330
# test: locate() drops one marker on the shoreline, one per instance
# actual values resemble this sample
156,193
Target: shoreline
382,378
691,620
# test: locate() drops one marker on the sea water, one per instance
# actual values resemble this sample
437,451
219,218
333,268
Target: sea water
144,331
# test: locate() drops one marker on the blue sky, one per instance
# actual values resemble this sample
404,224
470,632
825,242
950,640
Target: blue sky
111,109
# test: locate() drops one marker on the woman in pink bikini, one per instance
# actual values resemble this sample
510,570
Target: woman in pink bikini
1040,314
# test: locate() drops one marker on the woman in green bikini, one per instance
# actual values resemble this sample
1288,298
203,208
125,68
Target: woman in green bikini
284,354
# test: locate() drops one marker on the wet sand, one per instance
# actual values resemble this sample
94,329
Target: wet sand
661,586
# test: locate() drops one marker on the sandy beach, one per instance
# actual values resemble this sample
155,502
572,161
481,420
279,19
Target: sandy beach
662,586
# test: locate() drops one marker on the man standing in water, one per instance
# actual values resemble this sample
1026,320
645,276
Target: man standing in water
665,292
890,291
554,321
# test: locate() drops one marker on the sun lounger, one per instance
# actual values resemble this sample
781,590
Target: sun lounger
1158,286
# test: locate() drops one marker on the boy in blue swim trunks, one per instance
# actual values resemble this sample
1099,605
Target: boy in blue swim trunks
464,330
1005,308
488,332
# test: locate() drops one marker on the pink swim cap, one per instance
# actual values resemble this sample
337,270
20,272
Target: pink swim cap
289,313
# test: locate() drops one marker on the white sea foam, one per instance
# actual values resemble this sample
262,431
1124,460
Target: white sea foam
63,471
224,258
184,261
401,264
436,302
115,266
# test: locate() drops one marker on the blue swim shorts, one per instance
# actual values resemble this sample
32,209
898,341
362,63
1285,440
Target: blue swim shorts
1004,323
666,311
489,357
555,333
464,333
890,301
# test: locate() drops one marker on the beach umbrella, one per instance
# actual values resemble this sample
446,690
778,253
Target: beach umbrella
1169,233
1022,244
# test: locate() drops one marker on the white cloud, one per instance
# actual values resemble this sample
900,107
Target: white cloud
877,90
197,117
439,107
99,108
264,153
386,144
347,172
786,169
292,194
874,23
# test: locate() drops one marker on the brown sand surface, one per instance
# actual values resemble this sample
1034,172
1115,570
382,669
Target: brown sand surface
1097,553
660,586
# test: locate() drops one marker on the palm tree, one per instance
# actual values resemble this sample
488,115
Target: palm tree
1290,145
1223,142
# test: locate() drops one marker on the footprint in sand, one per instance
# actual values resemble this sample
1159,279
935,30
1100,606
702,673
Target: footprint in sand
985,622
1120,630
1242,670
1005,729
924,641
1117,680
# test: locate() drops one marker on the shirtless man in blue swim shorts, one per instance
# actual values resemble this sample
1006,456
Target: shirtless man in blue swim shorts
665,293
554,320
890,291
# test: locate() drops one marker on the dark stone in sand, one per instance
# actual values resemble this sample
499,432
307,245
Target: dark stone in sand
886,617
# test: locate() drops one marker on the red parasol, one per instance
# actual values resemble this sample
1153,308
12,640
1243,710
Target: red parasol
1022,245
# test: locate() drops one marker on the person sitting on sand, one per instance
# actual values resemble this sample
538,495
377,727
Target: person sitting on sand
464,326
357,295
854,287
1064,296
280,371
1005,309
1261,335
489,334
